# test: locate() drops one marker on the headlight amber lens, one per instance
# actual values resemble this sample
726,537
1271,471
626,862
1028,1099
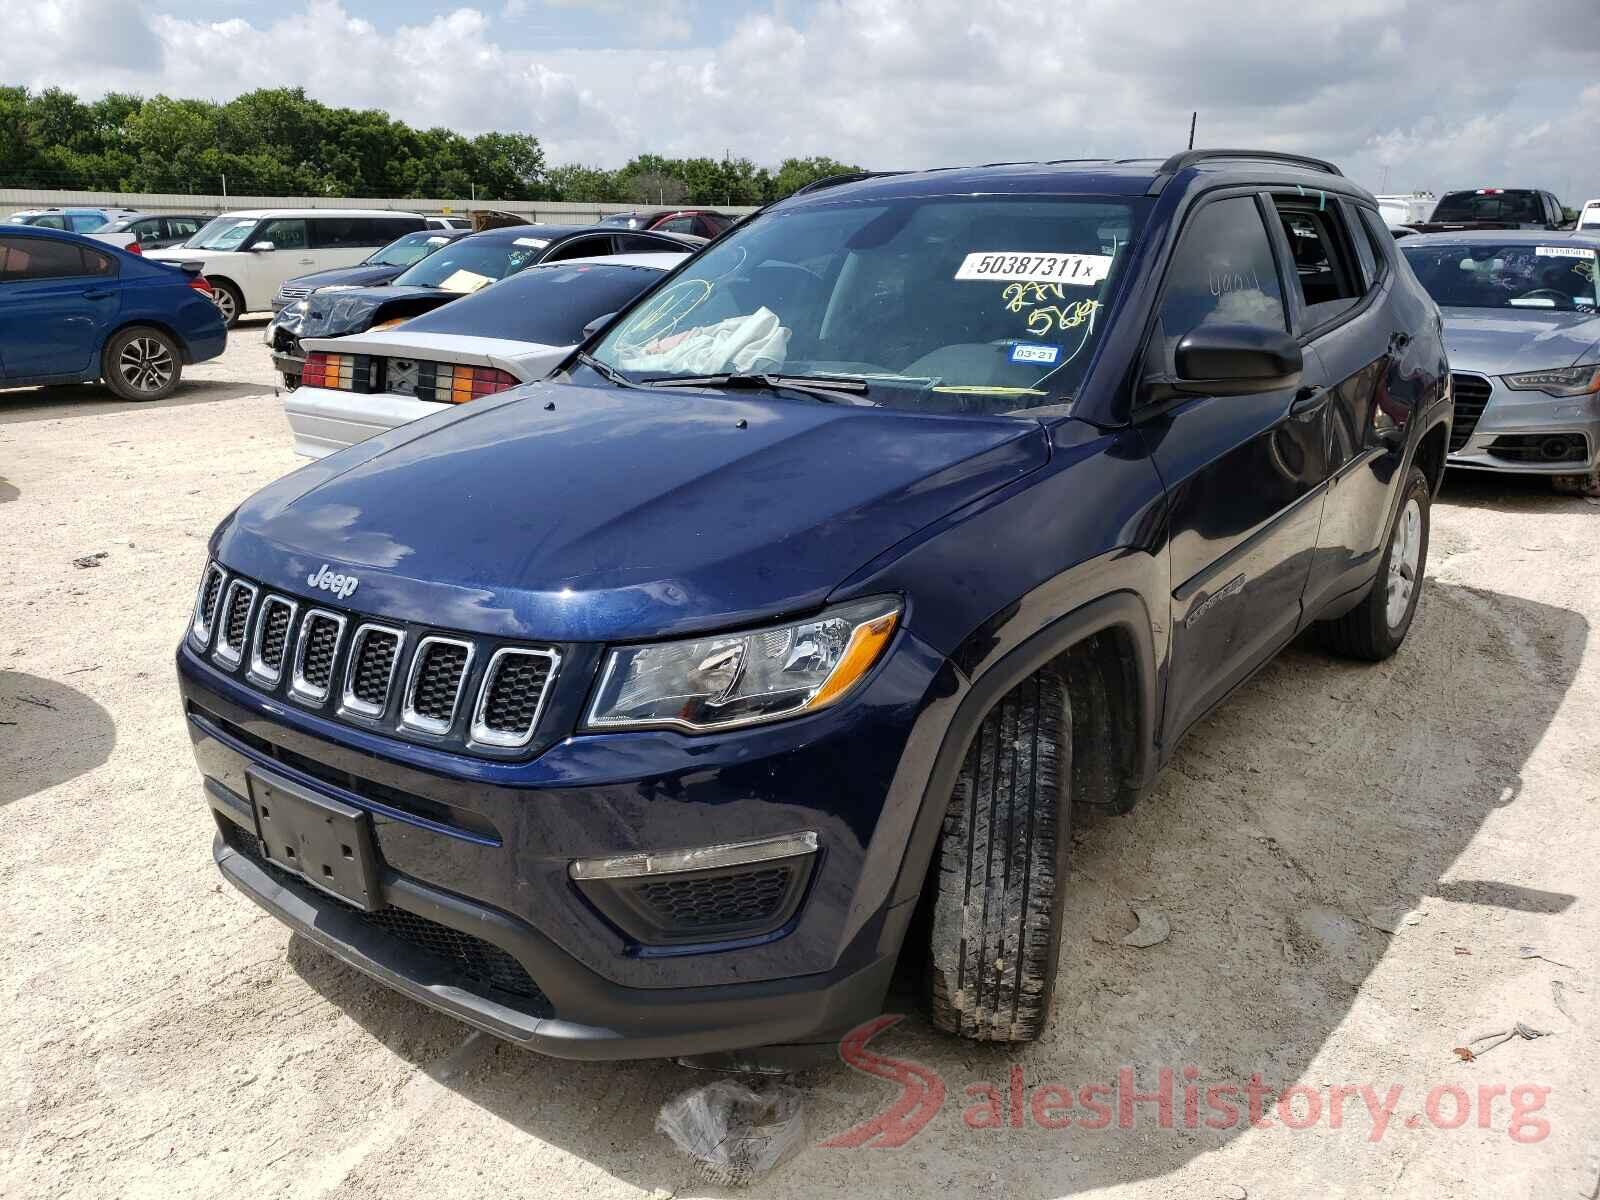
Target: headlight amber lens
743,678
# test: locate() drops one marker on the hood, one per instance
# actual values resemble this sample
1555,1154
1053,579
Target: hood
357,276
619,514
357,309
1499,341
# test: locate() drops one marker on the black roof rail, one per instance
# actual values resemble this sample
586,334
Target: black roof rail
1188,158
828,181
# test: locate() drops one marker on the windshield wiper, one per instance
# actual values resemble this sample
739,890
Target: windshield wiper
829,389
611,374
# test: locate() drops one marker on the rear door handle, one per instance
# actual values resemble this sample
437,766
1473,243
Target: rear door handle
98,293
1308,399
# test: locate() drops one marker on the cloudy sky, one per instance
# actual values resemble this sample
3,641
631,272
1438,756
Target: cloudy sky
1403,93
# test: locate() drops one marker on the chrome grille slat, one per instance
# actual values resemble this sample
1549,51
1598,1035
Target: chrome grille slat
270,645
512,696
315,652
369,674
237,606
439,673
1471,394
205,605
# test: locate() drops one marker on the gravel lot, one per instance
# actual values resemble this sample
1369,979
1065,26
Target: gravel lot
1351,859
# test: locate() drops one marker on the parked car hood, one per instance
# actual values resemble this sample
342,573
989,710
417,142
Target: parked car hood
354,310
1497,341
619,514
357,276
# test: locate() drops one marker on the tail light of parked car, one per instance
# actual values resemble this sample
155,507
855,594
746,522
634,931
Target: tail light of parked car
201,284
343,371
454,383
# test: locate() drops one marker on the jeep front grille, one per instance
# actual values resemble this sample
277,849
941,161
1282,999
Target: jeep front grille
434,690
374,654
314,654
477,694
513,694
1472,397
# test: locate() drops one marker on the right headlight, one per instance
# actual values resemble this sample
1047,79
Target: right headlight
733,679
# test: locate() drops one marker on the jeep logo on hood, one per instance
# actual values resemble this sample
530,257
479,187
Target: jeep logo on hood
341,586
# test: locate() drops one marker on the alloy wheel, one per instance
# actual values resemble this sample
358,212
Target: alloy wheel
1404,553
145,364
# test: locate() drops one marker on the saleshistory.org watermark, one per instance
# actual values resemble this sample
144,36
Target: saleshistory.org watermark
1172,1099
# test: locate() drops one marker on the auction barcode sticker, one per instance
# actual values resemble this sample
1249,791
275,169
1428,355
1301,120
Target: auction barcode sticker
1564,252
1030,266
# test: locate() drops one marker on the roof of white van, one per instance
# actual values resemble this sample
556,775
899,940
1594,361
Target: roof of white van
321,212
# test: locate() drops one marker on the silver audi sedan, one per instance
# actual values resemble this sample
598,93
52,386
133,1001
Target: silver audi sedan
1522,329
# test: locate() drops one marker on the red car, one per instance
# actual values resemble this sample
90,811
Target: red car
702,222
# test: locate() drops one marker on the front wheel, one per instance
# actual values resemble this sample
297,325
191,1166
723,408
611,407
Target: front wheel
1374,629
1002,868
141,363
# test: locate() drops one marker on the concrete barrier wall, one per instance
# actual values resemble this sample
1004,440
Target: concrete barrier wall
553,212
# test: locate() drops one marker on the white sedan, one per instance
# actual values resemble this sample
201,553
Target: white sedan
513,332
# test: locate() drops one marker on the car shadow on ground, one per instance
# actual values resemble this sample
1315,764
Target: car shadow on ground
1510,493
95,399
8,491
49,733
1293,831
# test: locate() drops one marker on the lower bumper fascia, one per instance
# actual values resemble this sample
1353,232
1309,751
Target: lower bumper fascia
628,1023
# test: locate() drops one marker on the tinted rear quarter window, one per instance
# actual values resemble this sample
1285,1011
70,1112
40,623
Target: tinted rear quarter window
549,305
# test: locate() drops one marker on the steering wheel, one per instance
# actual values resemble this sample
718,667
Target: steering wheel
1556,294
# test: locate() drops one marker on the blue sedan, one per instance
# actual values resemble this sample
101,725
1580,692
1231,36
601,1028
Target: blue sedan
73,310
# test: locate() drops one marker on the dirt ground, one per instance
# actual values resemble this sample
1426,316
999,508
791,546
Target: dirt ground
1357,865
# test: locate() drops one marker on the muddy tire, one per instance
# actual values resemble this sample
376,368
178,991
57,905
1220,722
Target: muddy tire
1001,869
1374,629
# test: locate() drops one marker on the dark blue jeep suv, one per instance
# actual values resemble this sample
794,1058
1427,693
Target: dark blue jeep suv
638,712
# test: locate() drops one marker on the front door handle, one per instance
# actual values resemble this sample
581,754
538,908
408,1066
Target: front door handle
1308,399
308,262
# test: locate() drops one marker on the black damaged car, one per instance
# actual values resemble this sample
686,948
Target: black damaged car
455,270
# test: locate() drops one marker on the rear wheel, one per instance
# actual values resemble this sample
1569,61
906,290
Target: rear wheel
228,301
1374,629
997,903
141,363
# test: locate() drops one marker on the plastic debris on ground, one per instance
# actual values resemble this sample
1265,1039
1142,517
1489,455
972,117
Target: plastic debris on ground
734,1132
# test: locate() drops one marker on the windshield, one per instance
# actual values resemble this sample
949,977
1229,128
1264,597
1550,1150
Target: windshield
1490,275
942,304
223,233
402,252
473,262
1496,206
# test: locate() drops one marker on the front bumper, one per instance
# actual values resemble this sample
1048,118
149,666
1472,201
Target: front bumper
484,849
1516,428
325,419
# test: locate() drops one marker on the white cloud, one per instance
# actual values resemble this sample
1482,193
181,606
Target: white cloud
1421,92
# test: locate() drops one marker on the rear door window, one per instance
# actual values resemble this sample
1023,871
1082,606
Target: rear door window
182,227
1327,274
41,258
334,233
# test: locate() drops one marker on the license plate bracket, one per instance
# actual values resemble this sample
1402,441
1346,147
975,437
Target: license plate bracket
326,842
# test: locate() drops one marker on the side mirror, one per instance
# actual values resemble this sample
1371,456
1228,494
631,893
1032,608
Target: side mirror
1236,360
596,325
262,248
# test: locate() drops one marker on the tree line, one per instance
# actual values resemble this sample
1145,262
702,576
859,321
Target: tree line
280,142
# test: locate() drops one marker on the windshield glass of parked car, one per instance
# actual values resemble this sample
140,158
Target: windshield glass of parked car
472,263
942,304
223,233
1488,275
1500,206
402,252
